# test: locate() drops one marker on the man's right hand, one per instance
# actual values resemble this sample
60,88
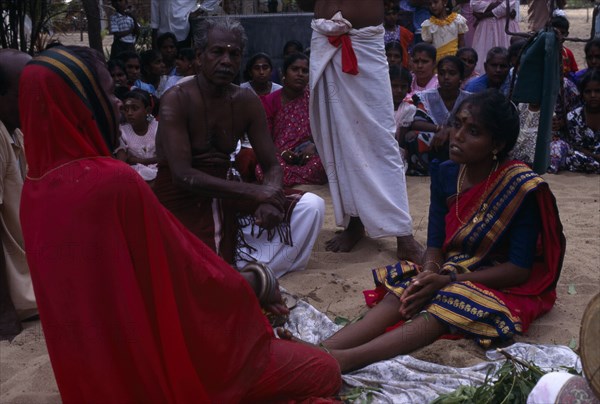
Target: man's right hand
269,194
268,216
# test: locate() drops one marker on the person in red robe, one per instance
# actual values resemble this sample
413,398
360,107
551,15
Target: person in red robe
134,308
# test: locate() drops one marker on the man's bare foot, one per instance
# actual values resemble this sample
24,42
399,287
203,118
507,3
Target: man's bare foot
347,239
410,249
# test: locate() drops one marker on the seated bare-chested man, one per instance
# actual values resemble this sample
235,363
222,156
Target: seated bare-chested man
201,122
352,121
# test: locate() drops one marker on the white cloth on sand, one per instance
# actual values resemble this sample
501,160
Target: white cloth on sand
352,122
405,379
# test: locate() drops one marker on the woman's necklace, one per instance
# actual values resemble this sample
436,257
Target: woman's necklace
482,205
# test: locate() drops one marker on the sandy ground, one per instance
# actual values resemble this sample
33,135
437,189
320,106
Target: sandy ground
333,282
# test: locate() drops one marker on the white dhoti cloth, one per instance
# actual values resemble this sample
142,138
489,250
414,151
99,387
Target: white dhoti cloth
305,224
352,122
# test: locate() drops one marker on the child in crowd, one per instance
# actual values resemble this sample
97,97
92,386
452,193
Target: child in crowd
396,32
167,45
592,59
469,58
137,144
185,63
428,136
561,24
445,31
153,68
514,52
133,66
123,28
394,53
153,73
579,151
423,65
405,111
117,72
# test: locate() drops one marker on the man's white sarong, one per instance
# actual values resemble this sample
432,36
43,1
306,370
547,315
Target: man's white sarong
352,122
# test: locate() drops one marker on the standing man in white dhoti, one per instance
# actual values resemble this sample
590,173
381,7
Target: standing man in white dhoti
17,300
352,121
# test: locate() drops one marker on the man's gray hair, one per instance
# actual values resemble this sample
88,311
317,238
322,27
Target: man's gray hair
221,23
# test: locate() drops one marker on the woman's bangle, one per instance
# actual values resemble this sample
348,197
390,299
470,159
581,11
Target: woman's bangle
431,262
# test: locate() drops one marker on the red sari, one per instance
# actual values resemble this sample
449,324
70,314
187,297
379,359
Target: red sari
134,308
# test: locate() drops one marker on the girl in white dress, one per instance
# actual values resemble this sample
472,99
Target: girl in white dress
137,144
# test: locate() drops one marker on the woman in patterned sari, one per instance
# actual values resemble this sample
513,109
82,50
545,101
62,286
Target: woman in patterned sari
495,249
287,116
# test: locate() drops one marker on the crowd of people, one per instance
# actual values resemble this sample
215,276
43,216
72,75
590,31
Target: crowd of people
165,268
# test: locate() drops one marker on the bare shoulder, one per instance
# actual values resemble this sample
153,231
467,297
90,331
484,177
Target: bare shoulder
361,13
184,88
244,95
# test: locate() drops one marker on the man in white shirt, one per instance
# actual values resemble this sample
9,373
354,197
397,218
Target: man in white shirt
173,16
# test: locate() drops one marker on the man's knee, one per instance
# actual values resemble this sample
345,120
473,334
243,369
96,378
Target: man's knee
312,206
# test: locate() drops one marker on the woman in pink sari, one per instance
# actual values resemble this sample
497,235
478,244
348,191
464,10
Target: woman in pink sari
287,116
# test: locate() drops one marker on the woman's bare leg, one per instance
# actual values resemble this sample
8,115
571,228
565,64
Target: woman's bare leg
374,323
423,330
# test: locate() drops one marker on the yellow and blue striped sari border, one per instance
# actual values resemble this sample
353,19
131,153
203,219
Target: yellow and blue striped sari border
474,311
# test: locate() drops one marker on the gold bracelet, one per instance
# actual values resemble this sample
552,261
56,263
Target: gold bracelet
432,262
283,152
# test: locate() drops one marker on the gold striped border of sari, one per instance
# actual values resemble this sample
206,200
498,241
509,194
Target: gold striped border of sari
470,318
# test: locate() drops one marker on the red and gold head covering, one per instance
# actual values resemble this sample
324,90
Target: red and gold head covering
65,113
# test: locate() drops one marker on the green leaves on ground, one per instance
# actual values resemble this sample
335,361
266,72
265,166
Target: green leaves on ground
511,384
361,394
